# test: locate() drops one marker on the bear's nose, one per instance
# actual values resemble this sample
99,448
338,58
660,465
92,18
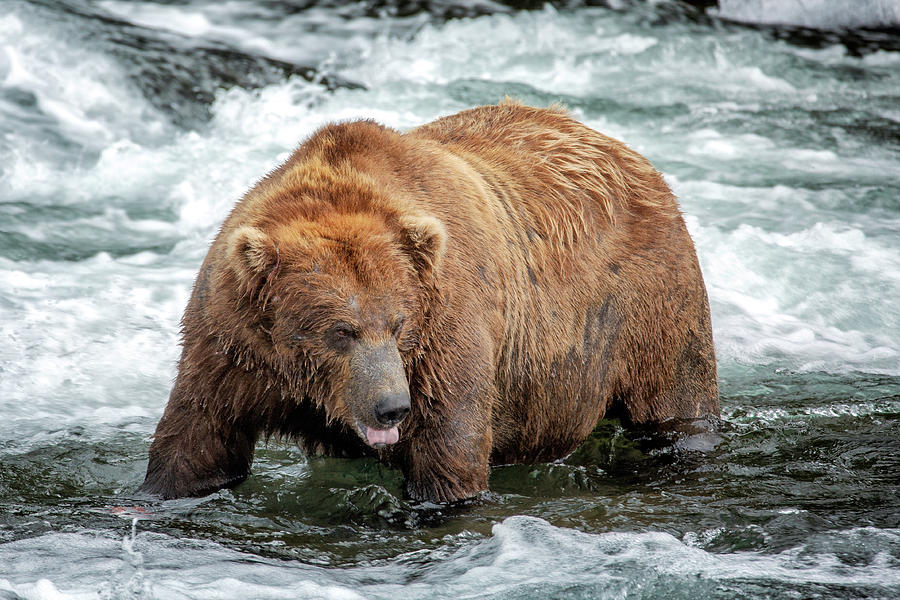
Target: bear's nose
392,408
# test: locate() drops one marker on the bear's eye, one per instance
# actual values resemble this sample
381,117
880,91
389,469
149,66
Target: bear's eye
344,332
397,325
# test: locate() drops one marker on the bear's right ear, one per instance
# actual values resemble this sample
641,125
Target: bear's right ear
252,255
426,240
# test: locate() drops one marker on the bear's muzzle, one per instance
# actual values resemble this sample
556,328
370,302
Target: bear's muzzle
379,392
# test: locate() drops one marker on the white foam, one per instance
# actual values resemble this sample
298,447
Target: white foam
228,588
84,94
709,142
529,547
43,589
306,37
822,14
799,297
92,343
559,46
156,566
14,74
767,416
523,556
179,19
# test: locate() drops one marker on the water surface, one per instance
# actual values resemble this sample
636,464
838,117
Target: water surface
129,129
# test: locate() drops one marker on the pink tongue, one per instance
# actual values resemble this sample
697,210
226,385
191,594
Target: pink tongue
382,436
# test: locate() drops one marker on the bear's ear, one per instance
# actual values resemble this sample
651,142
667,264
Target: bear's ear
426,239
252,255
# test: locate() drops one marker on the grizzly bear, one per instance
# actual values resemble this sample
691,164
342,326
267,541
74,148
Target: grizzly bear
480,290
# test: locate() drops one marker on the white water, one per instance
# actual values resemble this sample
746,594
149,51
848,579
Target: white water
795,218
821,14
519,560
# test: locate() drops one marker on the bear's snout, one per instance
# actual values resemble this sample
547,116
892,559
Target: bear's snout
392,408
379,392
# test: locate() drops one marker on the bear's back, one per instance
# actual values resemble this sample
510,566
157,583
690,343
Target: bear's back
570,158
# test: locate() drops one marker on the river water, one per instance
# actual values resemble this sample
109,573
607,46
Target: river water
129,129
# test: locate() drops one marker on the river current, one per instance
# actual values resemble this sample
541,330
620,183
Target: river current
128,129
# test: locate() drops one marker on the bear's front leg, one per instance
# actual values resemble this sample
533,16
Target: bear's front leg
449,448
199,445
449,436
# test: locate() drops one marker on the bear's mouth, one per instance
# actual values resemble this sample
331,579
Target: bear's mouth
378,438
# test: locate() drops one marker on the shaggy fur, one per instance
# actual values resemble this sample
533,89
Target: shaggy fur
533,275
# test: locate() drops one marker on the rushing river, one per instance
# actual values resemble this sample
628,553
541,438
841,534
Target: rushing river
129,128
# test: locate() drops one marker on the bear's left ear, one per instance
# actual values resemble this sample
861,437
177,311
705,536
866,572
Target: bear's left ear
252,255
426,239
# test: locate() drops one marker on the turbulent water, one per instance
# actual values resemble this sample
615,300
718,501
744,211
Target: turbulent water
129,129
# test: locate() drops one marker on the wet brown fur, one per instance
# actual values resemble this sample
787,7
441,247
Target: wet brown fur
542,271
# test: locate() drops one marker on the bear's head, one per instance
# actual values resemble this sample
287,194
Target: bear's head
335,305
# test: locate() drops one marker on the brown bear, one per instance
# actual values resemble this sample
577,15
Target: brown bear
480,290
